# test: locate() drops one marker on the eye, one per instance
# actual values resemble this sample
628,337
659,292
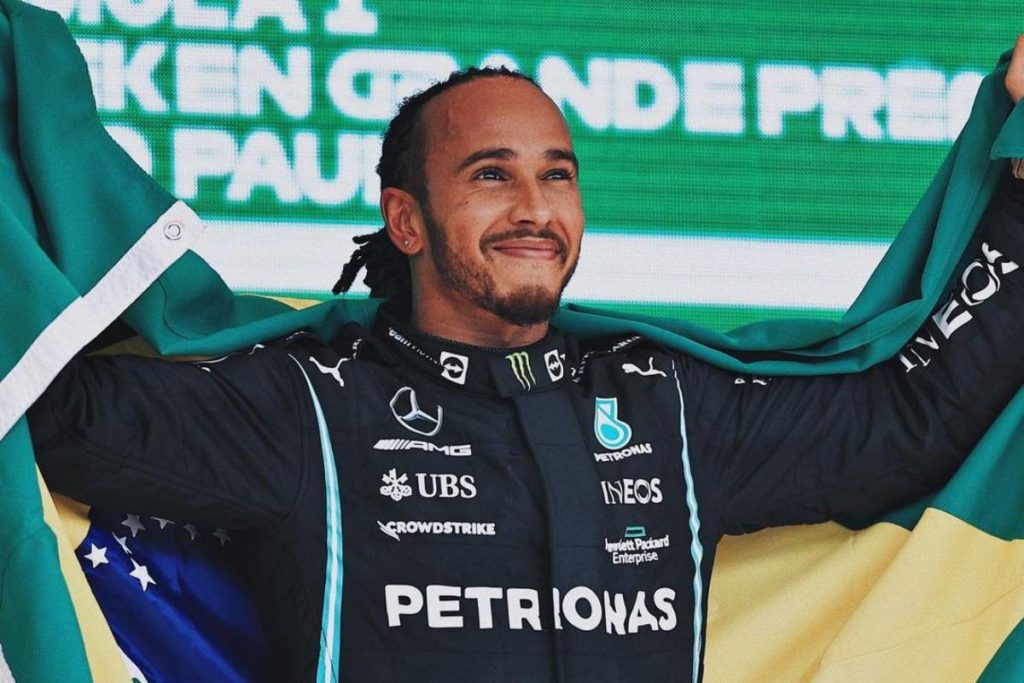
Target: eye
490,173
560,174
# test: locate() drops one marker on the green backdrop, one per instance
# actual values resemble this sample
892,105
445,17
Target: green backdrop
738,159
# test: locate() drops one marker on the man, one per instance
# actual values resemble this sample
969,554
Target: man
463,493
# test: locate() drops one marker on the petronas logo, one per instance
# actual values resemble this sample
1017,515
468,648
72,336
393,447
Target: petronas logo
612,432
520,362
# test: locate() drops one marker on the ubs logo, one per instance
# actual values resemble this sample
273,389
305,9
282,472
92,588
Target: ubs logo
428,485
454,367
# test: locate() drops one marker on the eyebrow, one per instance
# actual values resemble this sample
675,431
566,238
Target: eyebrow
505,154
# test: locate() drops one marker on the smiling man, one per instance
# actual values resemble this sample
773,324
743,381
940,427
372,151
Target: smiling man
490,225
462,492
512,217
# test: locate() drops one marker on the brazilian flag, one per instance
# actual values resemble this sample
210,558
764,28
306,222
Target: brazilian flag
934,592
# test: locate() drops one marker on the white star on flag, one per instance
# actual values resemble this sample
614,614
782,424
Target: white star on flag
192,531
142,574
222,534
162,522
134,523
123,542
97,556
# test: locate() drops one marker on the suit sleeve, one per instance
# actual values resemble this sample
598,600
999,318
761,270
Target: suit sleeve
788,450
216,442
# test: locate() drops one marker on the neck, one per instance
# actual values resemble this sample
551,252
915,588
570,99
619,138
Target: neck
466,323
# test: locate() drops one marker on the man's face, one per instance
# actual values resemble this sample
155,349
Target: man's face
503,217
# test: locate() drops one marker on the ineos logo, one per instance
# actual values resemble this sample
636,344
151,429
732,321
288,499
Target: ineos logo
631,491
980,281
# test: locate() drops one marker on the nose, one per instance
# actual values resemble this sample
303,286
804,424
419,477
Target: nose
531,205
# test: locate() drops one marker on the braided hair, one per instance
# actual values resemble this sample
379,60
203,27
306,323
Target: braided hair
402,160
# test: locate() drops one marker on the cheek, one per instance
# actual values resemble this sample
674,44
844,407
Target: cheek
570,215
567,200
486,204
475,216
464,231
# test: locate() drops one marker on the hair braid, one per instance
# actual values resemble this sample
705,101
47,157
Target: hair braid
387,269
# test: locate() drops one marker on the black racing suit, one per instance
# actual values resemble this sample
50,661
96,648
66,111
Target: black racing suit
416,510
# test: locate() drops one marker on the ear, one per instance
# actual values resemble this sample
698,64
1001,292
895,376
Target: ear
403,220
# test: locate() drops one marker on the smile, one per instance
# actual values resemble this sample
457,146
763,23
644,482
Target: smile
530,248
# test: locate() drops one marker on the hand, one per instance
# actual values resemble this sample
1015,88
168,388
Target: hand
1015,74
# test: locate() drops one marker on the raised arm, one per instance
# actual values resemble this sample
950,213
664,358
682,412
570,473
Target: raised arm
220,443
788,450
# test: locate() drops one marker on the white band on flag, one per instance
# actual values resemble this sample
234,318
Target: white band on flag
5,671
306,258
87,316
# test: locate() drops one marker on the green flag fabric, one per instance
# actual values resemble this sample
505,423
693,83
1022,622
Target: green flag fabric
88,238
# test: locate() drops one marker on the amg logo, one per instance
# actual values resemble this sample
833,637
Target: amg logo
461,450
615,456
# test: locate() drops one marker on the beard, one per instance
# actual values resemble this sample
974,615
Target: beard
525,306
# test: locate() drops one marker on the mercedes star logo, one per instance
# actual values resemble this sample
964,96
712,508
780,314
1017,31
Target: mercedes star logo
406,409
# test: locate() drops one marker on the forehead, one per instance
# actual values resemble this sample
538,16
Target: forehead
494,112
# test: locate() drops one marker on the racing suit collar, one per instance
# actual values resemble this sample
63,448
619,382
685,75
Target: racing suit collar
507,372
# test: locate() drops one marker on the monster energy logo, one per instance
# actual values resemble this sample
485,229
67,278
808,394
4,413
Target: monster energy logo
520,362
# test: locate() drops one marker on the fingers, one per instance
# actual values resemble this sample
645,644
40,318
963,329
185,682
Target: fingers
1015,73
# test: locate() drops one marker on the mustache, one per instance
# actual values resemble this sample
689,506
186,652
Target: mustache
519,233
